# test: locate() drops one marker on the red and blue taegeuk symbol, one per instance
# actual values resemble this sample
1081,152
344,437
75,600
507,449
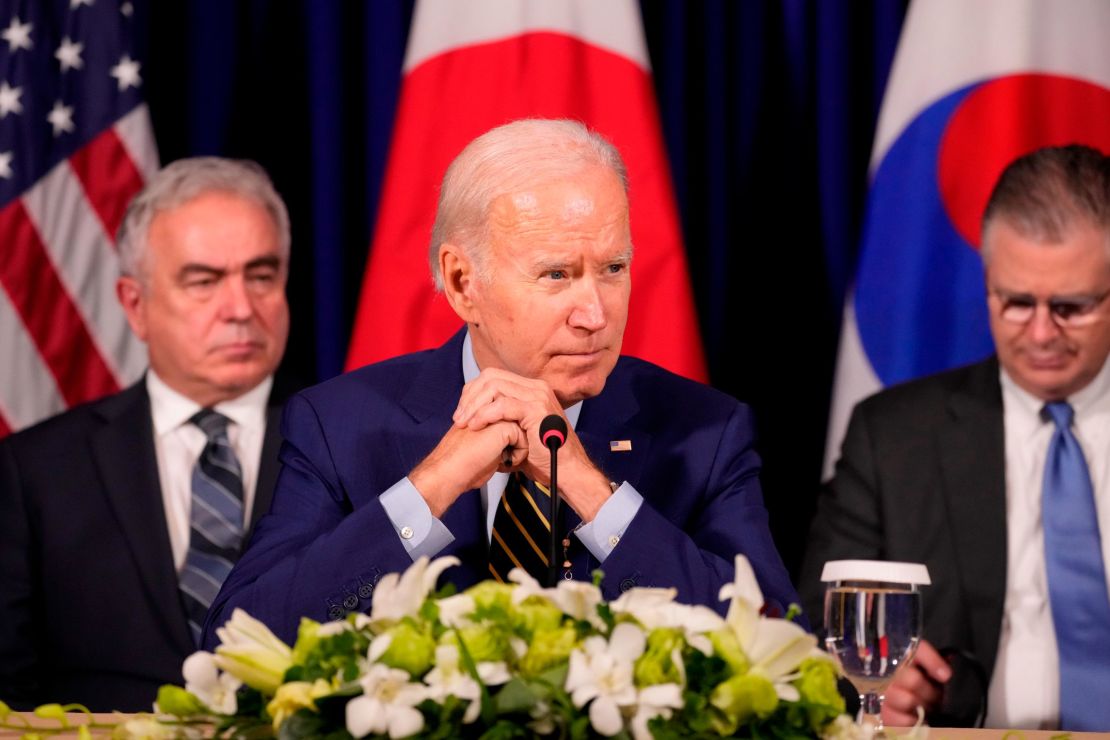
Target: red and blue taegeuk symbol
920,300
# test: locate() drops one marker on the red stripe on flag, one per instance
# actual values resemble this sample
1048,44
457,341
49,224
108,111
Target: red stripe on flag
52,320
109,177
5,427
535,74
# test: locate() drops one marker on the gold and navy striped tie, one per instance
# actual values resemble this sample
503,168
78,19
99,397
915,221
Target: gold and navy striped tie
521,531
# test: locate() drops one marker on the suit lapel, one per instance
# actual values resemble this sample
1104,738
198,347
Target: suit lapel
971,444
127,463
268,467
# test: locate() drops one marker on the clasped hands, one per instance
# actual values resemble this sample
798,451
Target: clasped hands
495,428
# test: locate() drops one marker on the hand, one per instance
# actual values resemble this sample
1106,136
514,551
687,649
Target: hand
918,684
465,459
497,396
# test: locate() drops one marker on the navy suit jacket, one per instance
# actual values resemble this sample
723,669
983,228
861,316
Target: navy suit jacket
328,539
89,606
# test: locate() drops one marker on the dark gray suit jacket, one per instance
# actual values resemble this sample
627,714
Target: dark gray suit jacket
921,478
89,606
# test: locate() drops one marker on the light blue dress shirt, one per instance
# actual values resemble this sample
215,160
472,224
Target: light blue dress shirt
423,534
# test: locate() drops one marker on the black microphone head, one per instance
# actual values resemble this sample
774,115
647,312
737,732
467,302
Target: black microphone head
553,431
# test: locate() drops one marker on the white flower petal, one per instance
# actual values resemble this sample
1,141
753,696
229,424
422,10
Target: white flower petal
405,721
627,641
605,716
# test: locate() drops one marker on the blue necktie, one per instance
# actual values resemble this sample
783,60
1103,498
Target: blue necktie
1076,580
216,520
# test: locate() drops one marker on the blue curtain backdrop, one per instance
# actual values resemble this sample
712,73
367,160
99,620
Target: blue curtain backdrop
768,109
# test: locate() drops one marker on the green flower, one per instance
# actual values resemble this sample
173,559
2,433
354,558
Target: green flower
534,614
656,665
296,695
249,651
491,597
817,686
406,648
308,637
727,648
547,649
178,702
742,697
484,642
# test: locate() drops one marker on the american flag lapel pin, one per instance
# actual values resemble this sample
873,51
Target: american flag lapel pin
620,445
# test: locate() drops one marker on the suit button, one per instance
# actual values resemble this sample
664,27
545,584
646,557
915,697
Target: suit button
336,612
614,540
627,584
350,602
365,590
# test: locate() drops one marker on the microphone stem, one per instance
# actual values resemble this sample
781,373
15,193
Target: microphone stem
552,552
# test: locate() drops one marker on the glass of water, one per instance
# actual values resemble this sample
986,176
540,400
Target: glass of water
872,624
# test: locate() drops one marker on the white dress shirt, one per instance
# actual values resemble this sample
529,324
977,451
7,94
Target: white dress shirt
1025,687
178,444
423,534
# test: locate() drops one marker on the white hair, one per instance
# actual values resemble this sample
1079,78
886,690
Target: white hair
504,160
182,181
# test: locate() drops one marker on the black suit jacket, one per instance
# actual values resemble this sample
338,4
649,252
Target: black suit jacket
921,478
89,606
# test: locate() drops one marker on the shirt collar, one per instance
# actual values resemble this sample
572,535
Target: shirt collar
1092,398
471,371
170,409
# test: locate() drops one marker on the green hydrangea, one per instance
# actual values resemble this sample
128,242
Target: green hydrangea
655,665
817,686
547,649
491,599
741,698
484,643
410,649
533,614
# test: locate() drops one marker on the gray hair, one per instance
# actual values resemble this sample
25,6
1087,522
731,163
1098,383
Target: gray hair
1047,192
180,182
504,160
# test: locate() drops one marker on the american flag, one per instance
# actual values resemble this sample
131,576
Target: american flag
75,146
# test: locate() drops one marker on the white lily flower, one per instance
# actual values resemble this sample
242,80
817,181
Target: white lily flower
387,704
659,700
455,610
252,653
331,629
579,600
775,647
398,596
601,674
449,678
656,607
203,680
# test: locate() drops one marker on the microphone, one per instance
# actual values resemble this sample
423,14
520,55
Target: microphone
553,434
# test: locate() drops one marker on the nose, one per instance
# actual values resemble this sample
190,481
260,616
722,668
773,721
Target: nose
589,310
1042,328
235,300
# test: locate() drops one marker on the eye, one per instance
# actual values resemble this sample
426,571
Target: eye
616,268
1069,309
556,274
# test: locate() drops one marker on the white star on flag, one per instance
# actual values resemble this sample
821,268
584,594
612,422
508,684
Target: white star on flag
6,165
127,9
126,72
61,118
75,3
9,99
69,54
18,35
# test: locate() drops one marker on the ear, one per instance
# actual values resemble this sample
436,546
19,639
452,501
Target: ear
131,297
460,281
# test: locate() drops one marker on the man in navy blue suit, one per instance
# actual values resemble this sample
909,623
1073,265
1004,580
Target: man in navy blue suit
411,456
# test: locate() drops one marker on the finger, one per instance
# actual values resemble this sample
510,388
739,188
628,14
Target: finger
505,409
912,689
931,662
493,384
897,718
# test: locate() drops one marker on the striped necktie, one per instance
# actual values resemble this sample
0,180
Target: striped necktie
216,520
521,531
1076,579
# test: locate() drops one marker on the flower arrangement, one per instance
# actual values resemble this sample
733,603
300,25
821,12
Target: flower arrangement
517,660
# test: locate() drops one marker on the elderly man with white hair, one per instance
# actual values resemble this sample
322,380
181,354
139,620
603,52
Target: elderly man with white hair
438,452
120,518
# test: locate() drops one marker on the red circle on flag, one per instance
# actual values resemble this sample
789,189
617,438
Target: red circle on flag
1003,119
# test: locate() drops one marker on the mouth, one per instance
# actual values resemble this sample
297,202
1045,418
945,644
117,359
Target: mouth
236,350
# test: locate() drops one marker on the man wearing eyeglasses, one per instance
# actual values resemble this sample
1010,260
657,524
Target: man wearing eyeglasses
997,475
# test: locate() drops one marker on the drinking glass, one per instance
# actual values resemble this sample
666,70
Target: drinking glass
872,625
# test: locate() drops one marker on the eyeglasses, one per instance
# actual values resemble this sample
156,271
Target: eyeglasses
1066,313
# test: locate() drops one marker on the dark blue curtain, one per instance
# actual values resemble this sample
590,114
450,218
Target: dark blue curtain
768,109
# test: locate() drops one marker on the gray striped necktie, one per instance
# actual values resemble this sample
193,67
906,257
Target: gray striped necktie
216,521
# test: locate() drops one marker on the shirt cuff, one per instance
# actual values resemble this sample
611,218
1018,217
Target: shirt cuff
419,531
604,533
